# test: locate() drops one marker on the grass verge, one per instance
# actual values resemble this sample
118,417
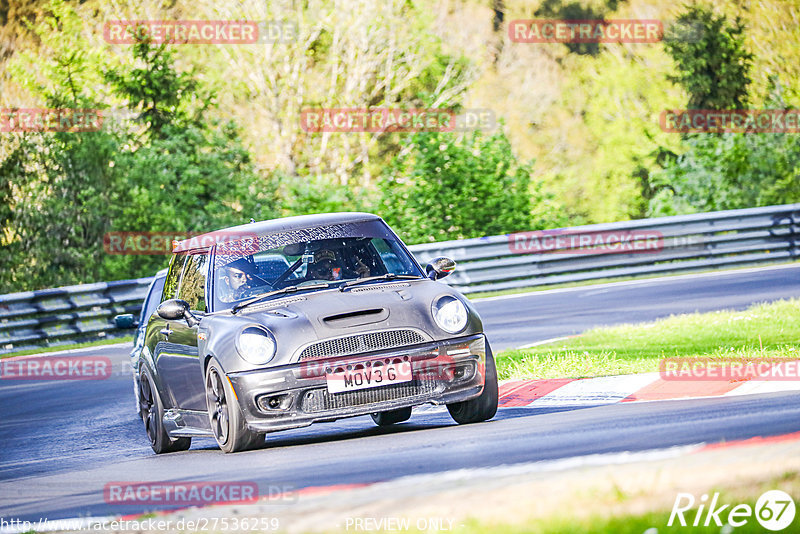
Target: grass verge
653,522
770,330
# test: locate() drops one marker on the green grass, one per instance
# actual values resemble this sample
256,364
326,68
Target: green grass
762,331
633,524
619,520
622,523
56,348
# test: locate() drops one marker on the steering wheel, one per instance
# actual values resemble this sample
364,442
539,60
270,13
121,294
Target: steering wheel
285,274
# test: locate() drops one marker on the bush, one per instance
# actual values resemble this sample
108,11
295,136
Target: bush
444,187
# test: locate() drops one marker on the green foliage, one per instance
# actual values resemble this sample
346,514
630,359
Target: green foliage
446,187
57,185
558,9
170,169
730,171
710,54
191,180
157,90
617,103
303,195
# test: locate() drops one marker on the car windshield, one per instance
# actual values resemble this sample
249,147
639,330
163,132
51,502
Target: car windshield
319,257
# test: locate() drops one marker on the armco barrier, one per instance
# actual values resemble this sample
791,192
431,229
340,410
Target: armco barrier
685,243
67,314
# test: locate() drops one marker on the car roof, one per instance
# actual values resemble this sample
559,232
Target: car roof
273,226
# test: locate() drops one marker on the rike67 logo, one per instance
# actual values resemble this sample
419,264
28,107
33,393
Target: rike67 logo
774,510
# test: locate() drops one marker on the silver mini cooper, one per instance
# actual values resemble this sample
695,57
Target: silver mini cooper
284,323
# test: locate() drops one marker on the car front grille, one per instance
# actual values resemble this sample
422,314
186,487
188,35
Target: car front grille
320,400
360,343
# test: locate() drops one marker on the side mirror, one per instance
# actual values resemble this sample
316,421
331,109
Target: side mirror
174,309
126,320
439,268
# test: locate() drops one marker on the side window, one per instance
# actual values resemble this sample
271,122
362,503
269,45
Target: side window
152,300
174,274
393,258
193,283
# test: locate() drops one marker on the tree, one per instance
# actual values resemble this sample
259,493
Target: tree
730,171
56,184
713,65
726,170
169,169
447,187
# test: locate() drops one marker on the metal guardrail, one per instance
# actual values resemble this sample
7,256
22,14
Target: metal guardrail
67,314
684,243
677,244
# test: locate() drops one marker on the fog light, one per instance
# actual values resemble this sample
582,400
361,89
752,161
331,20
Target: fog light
274,402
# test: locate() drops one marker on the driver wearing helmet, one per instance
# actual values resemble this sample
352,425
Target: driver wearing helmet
236,277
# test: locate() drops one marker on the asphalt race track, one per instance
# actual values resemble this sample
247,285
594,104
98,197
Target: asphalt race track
62,441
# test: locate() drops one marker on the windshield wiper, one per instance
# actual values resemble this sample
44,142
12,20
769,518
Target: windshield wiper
387,276
282,291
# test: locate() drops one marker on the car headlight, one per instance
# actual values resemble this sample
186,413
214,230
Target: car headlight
450,314
256,345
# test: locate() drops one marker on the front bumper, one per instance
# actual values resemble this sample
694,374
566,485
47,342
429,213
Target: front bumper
296,395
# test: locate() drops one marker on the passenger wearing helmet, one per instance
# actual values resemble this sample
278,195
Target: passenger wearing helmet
324,266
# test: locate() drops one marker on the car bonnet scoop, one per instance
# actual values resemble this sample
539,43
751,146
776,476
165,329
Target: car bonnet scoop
356,317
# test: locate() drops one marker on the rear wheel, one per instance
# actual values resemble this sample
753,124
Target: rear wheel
225,416
483,407
152,413
392,416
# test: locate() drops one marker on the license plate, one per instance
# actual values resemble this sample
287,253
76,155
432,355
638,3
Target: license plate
367,375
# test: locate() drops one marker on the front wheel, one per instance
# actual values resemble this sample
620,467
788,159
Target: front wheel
152,413
483,407
225,416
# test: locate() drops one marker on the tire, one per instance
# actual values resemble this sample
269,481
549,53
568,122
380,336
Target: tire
226,418
392,416
152,412
481,408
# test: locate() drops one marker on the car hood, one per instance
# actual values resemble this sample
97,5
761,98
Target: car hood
297,321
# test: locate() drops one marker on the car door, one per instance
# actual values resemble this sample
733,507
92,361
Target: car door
178,362
148,308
